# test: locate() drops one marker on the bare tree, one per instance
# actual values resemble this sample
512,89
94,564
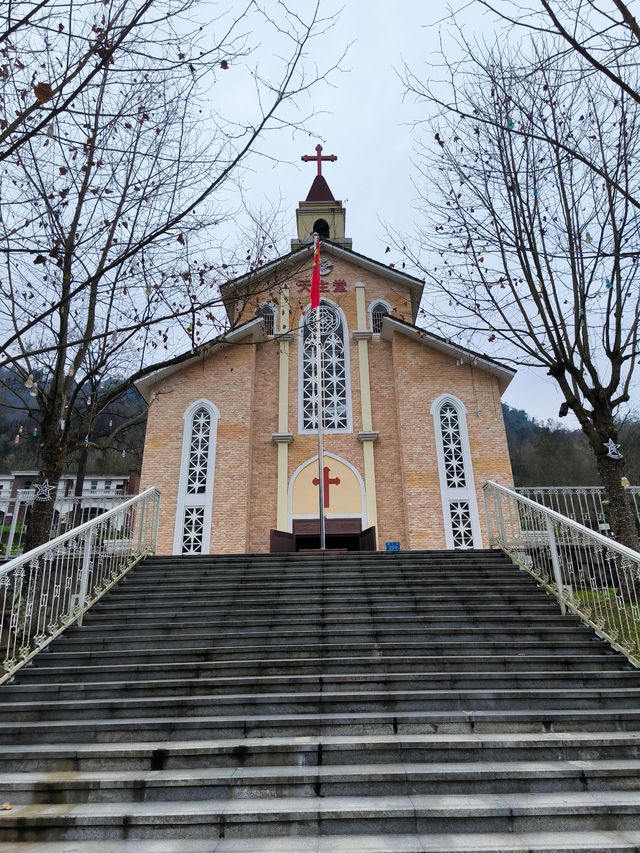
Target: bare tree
534,250
604,34
109,207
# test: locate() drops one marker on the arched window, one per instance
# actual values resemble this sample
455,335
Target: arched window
195,491
378,311
457,489
335,372
268,313
321,228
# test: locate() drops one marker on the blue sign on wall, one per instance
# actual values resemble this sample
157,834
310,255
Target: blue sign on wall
391,546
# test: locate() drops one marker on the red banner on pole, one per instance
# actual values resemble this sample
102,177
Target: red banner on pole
315,275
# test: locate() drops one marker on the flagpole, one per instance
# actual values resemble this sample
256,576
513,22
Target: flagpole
319,401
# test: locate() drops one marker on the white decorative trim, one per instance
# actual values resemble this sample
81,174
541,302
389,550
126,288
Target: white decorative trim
370,311
205,500
451,495
310,460
347,368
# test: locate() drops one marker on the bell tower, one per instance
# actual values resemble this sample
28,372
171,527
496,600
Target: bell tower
320,212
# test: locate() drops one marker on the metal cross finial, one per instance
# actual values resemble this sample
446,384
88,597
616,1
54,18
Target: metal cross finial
319,158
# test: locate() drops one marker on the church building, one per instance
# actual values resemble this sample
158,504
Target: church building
413,422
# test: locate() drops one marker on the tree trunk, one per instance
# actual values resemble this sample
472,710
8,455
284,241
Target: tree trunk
41,516
623,521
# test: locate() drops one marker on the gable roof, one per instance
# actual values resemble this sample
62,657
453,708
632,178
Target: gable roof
391,325
254,328
327,247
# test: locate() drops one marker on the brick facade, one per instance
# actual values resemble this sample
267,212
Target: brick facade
241,379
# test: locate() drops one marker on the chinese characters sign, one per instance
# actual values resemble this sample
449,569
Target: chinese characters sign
338,285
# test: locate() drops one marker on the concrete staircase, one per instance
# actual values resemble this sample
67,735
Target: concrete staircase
433,701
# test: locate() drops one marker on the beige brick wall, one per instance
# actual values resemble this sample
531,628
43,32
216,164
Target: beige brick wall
242,381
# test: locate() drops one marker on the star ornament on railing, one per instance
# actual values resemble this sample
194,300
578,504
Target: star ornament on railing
43,491
613,449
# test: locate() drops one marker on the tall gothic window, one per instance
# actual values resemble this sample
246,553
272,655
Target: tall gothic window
193,516
335,372
456,476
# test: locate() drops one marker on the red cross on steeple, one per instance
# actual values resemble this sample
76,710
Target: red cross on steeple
318,157
334,481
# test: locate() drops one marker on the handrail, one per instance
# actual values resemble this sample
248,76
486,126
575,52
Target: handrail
570,522
586,504
49,588
76,531
591,575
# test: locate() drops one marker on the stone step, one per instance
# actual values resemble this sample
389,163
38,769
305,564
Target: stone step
340,701
516,583
40,673
521,812
234,636
459,578
312,723
205,648
325,750
287,701
199,619
411,605
179,684
250,783
473,842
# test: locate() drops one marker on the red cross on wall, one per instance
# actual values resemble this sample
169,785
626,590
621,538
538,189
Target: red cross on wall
319,158
335,481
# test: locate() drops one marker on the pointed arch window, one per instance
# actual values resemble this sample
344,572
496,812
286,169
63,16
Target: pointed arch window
378,311
268,313
195,491
335,372
457,489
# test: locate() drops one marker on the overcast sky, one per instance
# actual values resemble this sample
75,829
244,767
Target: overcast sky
364,119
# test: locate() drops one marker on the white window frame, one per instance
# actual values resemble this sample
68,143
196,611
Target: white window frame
370,311
206,499
347,367
448,494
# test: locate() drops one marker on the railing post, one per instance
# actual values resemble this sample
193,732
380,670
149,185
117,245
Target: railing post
84,576
500,518
487,513
156,521
141,527
12,529
555,561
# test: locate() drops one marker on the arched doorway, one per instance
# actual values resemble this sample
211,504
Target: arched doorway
344,508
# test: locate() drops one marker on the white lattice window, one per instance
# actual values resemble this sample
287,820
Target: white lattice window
199,452
452,447
335,373
459,506
193,530
461,526
195,492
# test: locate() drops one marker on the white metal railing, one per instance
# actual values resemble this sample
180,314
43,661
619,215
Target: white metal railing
50,587
68,512
592,576
586,504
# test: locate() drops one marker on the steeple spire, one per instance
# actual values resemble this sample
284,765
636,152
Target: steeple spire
320,213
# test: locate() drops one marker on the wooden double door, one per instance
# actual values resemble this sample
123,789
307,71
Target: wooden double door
340,533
